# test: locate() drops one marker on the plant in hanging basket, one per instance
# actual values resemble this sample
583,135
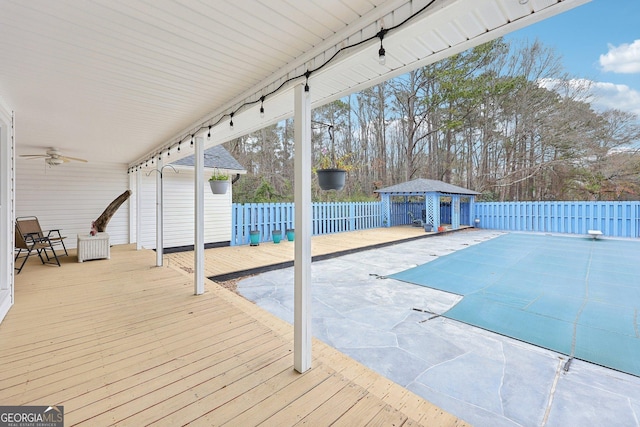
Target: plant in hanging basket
332,170
219,183
331,179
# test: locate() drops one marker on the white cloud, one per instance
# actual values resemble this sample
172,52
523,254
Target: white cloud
623,59
620,97
601,95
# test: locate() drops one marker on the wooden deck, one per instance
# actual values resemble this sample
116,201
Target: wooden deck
242,260
121,342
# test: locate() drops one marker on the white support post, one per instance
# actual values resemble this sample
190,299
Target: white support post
7,210
198,238
139,210
303,227
159,217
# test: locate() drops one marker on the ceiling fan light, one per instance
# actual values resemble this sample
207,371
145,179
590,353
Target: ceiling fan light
54,161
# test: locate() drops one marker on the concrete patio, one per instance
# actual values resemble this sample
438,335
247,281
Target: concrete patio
482,377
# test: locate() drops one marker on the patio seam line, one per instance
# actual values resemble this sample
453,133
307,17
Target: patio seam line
287,264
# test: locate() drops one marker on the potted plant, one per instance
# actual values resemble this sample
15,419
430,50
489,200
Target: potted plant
276,235
219,183
332,170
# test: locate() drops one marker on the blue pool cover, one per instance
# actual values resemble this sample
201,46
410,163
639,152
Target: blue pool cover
577,296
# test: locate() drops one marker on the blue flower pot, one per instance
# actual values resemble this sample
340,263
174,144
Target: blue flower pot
290,234
277,236
254,237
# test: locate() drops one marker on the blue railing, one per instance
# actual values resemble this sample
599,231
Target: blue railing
614,219
327,218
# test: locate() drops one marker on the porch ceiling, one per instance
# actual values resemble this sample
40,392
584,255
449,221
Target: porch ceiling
111,80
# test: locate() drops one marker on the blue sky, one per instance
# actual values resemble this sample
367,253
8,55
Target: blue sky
598,41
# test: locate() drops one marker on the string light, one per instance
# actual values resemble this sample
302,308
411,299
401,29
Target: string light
381,52
179,142
307,74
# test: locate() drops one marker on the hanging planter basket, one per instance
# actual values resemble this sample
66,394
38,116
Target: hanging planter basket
331,179
218,186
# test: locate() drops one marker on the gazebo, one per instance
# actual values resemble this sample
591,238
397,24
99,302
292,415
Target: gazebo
435,202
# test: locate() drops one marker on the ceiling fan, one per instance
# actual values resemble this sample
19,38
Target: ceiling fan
52,157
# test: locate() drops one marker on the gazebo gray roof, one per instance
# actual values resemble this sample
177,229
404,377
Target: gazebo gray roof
422,186
214,157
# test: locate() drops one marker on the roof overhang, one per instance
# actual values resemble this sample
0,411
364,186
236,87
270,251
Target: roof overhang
122,81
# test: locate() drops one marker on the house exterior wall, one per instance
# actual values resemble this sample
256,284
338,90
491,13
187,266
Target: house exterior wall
71,196
178,201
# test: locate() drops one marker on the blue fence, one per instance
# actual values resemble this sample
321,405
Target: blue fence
327,218
615,219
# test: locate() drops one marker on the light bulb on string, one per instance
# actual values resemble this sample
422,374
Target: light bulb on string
208,135
231,122
382,57
262,107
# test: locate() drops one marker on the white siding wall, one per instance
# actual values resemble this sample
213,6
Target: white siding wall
72,195
178,202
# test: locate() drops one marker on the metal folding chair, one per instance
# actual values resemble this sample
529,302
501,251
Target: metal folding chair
29,225
33,244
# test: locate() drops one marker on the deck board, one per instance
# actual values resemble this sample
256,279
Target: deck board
121,342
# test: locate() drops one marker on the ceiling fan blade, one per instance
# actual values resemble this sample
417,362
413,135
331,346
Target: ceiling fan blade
34,156
67,159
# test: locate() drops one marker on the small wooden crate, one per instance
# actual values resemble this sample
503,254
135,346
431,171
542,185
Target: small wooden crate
93,247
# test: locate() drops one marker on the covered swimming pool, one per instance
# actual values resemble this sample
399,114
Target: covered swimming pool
574,295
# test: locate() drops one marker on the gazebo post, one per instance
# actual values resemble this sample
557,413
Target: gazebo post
472,213
455,211
385,210
433,205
